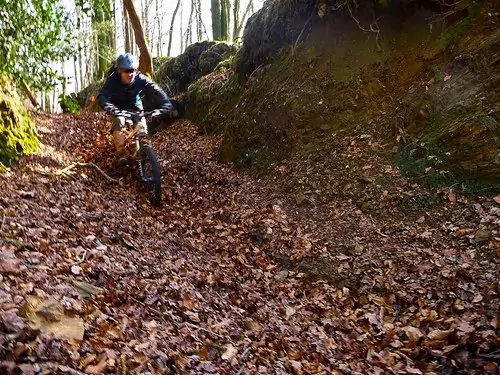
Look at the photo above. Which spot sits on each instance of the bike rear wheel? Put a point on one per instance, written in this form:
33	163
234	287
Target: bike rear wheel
150	173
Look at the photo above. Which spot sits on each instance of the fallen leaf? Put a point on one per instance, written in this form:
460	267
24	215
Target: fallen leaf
464	326
49	316
230	352
438	334
478	298
413	333
9	264
289	312
11	321
97	369
187	302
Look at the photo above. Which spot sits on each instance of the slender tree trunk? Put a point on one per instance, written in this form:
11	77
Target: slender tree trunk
189	30
236	19
115	23
47	101
180	31
76	75
145	61
244	18
172	27
198	20
224	19
158	18
216	19
126	30
80	66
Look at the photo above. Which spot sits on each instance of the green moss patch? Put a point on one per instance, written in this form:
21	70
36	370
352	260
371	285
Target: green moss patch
17	131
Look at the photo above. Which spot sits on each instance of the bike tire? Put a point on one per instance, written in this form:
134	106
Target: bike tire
152	177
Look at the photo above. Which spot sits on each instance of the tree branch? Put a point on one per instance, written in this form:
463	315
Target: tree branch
78	164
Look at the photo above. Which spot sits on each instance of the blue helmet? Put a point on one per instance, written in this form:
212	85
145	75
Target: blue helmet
126	61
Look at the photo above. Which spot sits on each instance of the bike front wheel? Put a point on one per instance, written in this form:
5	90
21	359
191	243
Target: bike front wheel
150	174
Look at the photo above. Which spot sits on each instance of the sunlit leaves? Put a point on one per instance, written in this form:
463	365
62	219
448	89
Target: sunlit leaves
34	34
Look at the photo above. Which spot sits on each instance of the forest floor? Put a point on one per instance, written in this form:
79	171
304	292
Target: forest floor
233	274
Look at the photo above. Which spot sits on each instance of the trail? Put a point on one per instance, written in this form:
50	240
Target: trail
230	275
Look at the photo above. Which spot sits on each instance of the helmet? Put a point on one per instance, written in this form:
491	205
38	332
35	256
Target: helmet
126	61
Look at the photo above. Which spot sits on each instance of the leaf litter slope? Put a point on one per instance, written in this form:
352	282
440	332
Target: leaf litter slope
229	276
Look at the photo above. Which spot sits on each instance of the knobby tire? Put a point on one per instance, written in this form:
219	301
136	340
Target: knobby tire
148	157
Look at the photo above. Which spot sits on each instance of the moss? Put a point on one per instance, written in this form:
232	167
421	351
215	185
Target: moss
17	131
451	35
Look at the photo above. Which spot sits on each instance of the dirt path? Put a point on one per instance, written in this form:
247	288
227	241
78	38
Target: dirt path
229	275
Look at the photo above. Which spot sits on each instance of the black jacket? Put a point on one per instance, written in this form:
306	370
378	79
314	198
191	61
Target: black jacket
117	94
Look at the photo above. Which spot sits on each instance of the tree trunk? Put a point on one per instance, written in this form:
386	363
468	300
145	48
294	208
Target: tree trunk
216	20
189	30
236	19
126	30
224	19
76	75
198	20
172	27
244	18
145	61
180	31
158	18
29	94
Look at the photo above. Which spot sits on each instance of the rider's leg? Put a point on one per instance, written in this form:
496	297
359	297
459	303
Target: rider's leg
117	133
119	141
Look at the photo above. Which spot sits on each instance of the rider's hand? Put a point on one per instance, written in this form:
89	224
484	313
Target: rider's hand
112	110
167	111
173	113
170	112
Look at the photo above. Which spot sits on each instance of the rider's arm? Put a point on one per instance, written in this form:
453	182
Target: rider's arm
151	88
104	95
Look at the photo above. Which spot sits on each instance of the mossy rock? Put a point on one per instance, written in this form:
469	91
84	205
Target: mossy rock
17	130
175	75
87	98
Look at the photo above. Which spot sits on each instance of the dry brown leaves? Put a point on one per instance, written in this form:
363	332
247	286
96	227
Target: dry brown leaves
217	280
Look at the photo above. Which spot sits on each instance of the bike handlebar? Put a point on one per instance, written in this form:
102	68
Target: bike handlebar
141	114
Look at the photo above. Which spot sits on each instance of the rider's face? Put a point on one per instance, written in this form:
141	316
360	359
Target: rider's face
127	76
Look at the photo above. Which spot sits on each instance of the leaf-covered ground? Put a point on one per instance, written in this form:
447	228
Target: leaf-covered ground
295	273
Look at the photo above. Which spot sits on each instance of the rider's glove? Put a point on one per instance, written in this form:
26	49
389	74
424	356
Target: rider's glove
112	110
170	111
174	113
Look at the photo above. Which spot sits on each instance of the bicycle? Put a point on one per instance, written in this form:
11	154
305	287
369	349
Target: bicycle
148	168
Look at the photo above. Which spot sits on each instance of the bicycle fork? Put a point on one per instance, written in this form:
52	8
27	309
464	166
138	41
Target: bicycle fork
139	158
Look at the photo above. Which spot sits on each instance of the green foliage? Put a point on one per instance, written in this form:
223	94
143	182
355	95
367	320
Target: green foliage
69	103
33	35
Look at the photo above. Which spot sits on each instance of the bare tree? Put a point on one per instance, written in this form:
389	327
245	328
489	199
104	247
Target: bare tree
216	20
220	19
239	25
180	31
126	30
172	27
189	30
145	61
236	19
224	19
199	21
158	42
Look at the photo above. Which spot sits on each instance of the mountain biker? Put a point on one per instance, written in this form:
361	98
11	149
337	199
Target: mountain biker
123	90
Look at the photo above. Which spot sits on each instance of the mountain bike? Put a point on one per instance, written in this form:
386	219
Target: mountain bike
139	149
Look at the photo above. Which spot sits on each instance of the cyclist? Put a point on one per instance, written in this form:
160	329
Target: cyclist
123	90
